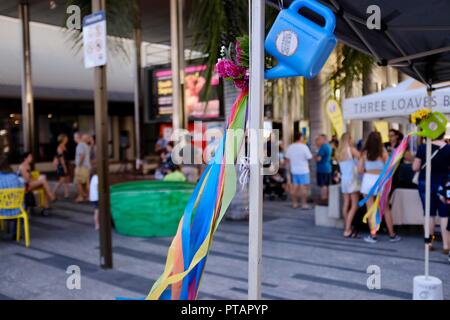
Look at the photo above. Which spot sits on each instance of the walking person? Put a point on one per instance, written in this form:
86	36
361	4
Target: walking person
62	165
348	157
374	157
440	161
297	161
323	167
93	153
82	168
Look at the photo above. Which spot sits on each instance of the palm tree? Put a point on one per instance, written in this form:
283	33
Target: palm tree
122	18
353	67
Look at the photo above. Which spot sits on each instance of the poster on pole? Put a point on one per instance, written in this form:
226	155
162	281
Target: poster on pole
383	128
334	113
94	40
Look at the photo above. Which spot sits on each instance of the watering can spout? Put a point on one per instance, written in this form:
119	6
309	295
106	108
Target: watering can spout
280	71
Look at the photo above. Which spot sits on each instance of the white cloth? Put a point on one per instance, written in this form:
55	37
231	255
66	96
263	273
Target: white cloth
350	181
406	207
298	155
368	181
93	189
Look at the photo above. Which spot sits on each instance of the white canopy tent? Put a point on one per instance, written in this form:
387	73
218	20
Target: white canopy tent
399	101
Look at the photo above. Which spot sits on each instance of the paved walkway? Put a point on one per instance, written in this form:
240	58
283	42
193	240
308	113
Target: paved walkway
300	261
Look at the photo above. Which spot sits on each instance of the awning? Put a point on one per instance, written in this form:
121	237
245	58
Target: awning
414	35
399	101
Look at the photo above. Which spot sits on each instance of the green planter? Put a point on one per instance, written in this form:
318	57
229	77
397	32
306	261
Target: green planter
149	208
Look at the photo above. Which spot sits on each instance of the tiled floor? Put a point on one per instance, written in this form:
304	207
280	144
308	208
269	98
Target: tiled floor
300	261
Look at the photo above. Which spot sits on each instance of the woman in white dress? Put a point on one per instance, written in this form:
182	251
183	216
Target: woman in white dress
348	157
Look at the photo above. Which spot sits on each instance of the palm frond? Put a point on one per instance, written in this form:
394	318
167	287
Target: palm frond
216	23
122	17
351	66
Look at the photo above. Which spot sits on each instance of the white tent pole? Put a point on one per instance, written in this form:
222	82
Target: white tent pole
427	207
256	123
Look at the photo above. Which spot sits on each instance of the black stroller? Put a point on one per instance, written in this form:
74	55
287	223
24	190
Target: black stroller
274	186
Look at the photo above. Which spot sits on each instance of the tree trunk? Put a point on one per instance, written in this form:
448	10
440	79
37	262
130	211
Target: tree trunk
367	88
314	101
287	107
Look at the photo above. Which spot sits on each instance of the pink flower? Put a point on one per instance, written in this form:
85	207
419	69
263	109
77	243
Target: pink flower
228	69
220	68
241	84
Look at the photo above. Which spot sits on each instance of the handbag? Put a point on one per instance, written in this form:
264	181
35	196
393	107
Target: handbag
415	179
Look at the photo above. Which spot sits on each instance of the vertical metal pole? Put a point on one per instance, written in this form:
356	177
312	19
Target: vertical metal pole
177	72
427	201
138	95
28	121
184	113
101	128
427	207
256	124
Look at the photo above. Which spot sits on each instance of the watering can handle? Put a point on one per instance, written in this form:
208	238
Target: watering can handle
442	117
327	14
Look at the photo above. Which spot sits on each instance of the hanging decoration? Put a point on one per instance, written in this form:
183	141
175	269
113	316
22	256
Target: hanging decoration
300	45
431	125
213	194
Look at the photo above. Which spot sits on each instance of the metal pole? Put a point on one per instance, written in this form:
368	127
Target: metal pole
256	123
101	128
28	124
137	95
427	207
184	113
177	52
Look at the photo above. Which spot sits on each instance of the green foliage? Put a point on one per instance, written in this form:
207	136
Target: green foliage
217	23
245	51
351	66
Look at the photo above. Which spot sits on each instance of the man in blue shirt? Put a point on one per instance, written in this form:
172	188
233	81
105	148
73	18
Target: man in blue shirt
324	168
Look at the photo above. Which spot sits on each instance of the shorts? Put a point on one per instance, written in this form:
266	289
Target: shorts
82	175
60	171
323	179
368	181
95	204
301	179
437	207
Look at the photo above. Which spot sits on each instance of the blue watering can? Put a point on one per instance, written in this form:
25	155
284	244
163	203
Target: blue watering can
301	46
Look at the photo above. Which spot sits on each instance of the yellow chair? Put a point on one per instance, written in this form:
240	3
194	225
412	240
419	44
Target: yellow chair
40	193
11	199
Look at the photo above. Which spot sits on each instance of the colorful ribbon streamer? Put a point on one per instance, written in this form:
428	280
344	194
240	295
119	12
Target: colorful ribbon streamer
212	196
382	187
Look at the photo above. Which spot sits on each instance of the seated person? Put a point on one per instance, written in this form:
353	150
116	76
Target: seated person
175	175
30	185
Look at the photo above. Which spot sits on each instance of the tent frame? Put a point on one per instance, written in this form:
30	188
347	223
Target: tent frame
351	21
